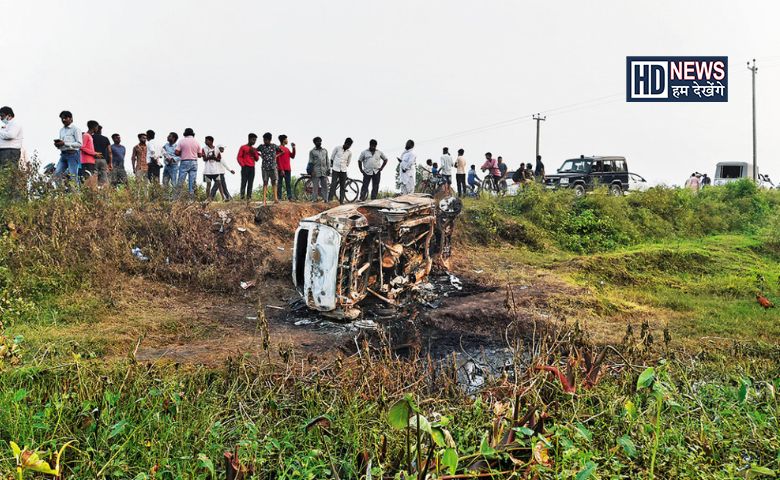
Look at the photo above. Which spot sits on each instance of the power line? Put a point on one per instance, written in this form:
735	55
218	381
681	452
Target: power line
563	109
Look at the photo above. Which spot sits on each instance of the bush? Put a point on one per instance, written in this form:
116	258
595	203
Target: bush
601	222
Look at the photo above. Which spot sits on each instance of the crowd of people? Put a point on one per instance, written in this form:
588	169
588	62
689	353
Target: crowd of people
91	158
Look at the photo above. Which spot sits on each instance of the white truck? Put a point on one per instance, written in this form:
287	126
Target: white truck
726	172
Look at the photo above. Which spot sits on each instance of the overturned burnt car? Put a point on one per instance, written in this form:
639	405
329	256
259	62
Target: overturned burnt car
380	247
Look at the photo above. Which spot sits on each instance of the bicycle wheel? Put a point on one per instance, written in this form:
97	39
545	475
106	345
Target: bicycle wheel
353	190
302	188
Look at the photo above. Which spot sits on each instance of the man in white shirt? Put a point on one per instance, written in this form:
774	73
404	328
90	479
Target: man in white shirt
408	168
371	163
460	173
10	150
445	169
340	163
153	156
11	136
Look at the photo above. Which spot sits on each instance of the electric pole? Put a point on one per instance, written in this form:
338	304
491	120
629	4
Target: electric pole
538	119
753	69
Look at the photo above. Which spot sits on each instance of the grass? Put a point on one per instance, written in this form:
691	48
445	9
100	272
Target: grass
661	261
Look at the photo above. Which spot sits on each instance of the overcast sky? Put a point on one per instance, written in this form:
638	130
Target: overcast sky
433	71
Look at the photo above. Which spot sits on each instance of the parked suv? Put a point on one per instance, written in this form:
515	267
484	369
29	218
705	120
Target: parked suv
585	173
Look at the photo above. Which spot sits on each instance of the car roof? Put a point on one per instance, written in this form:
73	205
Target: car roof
597	158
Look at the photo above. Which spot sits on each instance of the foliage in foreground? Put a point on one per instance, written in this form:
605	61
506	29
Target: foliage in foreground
707	416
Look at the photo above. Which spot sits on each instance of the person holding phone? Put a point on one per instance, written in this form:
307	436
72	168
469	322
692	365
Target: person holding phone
69	144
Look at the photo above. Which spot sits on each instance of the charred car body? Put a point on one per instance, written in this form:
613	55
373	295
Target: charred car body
380	247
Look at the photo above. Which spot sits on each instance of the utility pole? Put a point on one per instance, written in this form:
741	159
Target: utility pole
538	119
753	70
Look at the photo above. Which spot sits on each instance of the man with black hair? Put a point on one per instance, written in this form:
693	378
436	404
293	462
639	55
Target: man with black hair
153	154
88	153
189	151
283	165
319	169
408	168
170	160
339	164
268	152
103	157
212	170
247	158
446	169
539	169
117	167
371	162
460	175
69	144
138	157
11	137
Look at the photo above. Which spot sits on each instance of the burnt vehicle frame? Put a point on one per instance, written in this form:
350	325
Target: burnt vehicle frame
381	247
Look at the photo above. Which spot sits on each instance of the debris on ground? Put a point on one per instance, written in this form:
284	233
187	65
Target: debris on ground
136	251
249	284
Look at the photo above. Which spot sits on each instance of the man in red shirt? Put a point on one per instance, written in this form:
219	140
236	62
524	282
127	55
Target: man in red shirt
88	153
247	158
283	165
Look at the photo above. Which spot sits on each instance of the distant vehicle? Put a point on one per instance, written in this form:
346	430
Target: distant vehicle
586	173
727	172
637	183
381	247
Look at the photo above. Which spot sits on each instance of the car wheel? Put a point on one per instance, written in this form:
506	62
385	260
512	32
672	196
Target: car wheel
616	190
579	190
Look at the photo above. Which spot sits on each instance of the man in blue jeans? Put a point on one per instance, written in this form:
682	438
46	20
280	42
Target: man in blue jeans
189	151
69	145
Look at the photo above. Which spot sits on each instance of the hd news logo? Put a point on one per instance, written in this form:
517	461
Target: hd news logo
677	79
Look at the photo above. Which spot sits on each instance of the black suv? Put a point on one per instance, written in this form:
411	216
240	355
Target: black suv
586	173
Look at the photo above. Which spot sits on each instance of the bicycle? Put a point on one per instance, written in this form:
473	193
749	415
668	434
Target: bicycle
431	185
303	185
493	187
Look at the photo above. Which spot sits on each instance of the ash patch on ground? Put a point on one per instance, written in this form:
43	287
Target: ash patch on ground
450	320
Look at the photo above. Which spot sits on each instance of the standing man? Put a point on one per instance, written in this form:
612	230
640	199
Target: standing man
11	137
138	158
69	145
189	151
212	169
153	155
88	153
247	158
460	175
319	169
118	172
446	169
371	162
408	168
340	160
283	165
10	150
539	169
502	168
170	160
103	159
268	166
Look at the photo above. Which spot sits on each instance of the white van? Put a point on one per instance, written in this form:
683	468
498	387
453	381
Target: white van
726	172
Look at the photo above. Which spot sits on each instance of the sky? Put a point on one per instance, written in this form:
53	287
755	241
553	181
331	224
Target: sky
456	73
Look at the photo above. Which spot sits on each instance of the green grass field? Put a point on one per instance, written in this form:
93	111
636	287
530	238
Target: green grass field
701	405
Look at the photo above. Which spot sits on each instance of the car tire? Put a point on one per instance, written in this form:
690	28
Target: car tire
579	190
616	190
